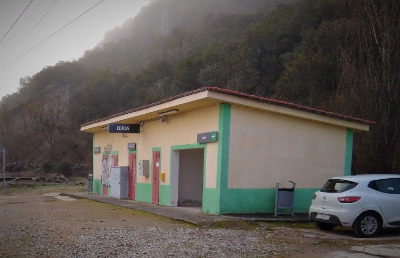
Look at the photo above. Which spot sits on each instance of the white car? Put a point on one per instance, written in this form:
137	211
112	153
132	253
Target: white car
366	203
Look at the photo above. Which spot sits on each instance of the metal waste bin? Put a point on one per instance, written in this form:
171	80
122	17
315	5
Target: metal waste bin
90	183
284	198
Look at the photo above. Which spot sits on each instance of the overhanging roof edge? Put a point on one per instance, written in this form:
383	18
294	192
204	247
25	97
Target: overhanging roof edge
364	124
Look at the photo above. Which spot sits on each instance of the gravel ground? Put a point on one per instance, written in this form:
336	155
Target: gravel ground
35	224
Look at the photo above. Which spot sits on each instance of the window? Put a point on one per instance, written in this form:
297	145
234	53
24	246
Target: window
337	186
390	185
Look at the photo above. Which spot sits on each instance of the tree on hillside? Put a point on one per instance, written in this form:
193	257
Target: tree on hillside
44	125
7	134
370	80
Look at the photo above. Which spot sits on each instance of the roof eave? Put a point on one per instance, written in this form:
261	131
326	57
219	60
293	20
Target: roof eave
225	95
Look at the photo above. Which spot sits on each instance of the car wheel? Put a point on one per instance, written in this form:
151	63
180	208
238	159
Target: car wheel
324	226
367	224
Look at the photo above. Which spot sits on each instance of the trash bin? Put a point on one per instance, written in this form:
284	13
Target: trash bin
284	197
90	183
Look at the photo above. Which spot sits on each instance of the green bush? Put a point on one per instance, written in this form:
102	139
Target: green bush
65	168
47	166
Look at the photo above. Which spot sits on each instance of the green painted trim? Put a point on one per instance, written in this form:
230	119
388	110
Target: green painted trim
93	166
143	192
224	131
189	146
156	149
97	186
248	201
115	153
242	201
303	198
348	152
112	153
210	200
164	197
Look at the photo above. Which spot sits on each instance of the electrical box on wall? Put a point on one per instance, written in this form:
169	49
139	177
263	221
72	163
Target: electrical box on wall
119	179
143	168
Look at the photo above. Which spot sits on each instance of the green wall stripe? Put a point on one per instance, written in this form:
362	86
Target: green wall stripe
165	195
93	167
224	127
188	146
97	186
247	201
348	152
143	192
210	200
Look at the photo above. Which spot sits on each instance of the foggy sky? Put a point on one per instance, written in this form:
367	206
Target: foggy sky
67	45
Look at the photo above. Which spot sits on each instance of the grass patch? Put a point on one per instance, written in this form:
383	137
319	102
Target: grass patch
46	187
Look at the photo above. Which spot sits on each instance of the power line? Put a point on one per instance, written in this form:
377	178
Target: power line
44	40
46	11
16	20
34	27
28	19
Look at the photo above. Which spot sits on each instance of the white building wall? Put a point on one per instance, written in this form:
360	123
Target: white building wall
266	148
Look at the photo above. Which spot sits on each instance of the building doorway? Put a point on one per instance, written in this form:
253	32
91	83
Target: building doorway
187	177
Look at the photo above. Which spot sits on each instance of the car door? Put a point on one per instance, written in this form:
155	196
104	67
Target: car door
387	196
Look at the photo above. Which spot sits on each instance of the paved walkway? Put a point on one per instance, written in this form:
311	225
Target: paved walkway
191	215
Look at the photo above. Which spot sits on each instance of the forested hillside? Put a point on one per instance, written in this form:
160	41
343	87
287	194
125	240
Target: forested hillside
337	55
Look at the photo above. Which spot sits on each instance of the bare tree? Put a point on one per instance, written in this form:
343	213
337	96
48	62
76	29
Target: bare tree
370	79
43	122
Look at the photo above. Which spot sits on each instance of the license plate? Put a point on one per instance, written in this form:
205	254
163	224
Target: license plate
322	216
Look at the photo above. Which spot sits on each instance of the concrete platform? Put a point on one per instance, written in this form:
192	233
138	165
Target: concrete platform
188	214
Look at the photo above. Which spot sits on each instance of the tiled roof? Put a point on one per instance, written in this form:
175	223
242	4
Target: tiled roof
237	94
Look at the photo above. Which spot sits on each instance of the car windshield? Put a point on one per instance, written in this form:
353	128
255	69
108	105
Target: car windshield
337	186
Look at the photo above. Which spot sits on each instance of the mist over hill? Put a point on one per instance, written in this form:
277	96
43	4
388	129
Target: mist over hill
184	14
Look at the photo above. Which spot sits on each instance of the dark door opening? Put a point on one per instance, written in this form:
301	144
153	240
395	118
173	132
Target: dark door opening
191	169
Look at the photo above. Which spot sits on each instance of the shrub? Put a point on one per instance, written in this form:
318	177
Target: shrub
47	166
65	168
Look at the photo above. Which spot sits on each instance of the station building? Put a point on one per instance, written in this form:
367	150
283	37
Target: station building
222	150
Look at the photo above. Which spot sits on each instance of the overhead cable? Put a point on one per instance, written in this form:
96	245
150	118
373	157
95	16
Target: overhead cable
34	27
41	42
16	21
